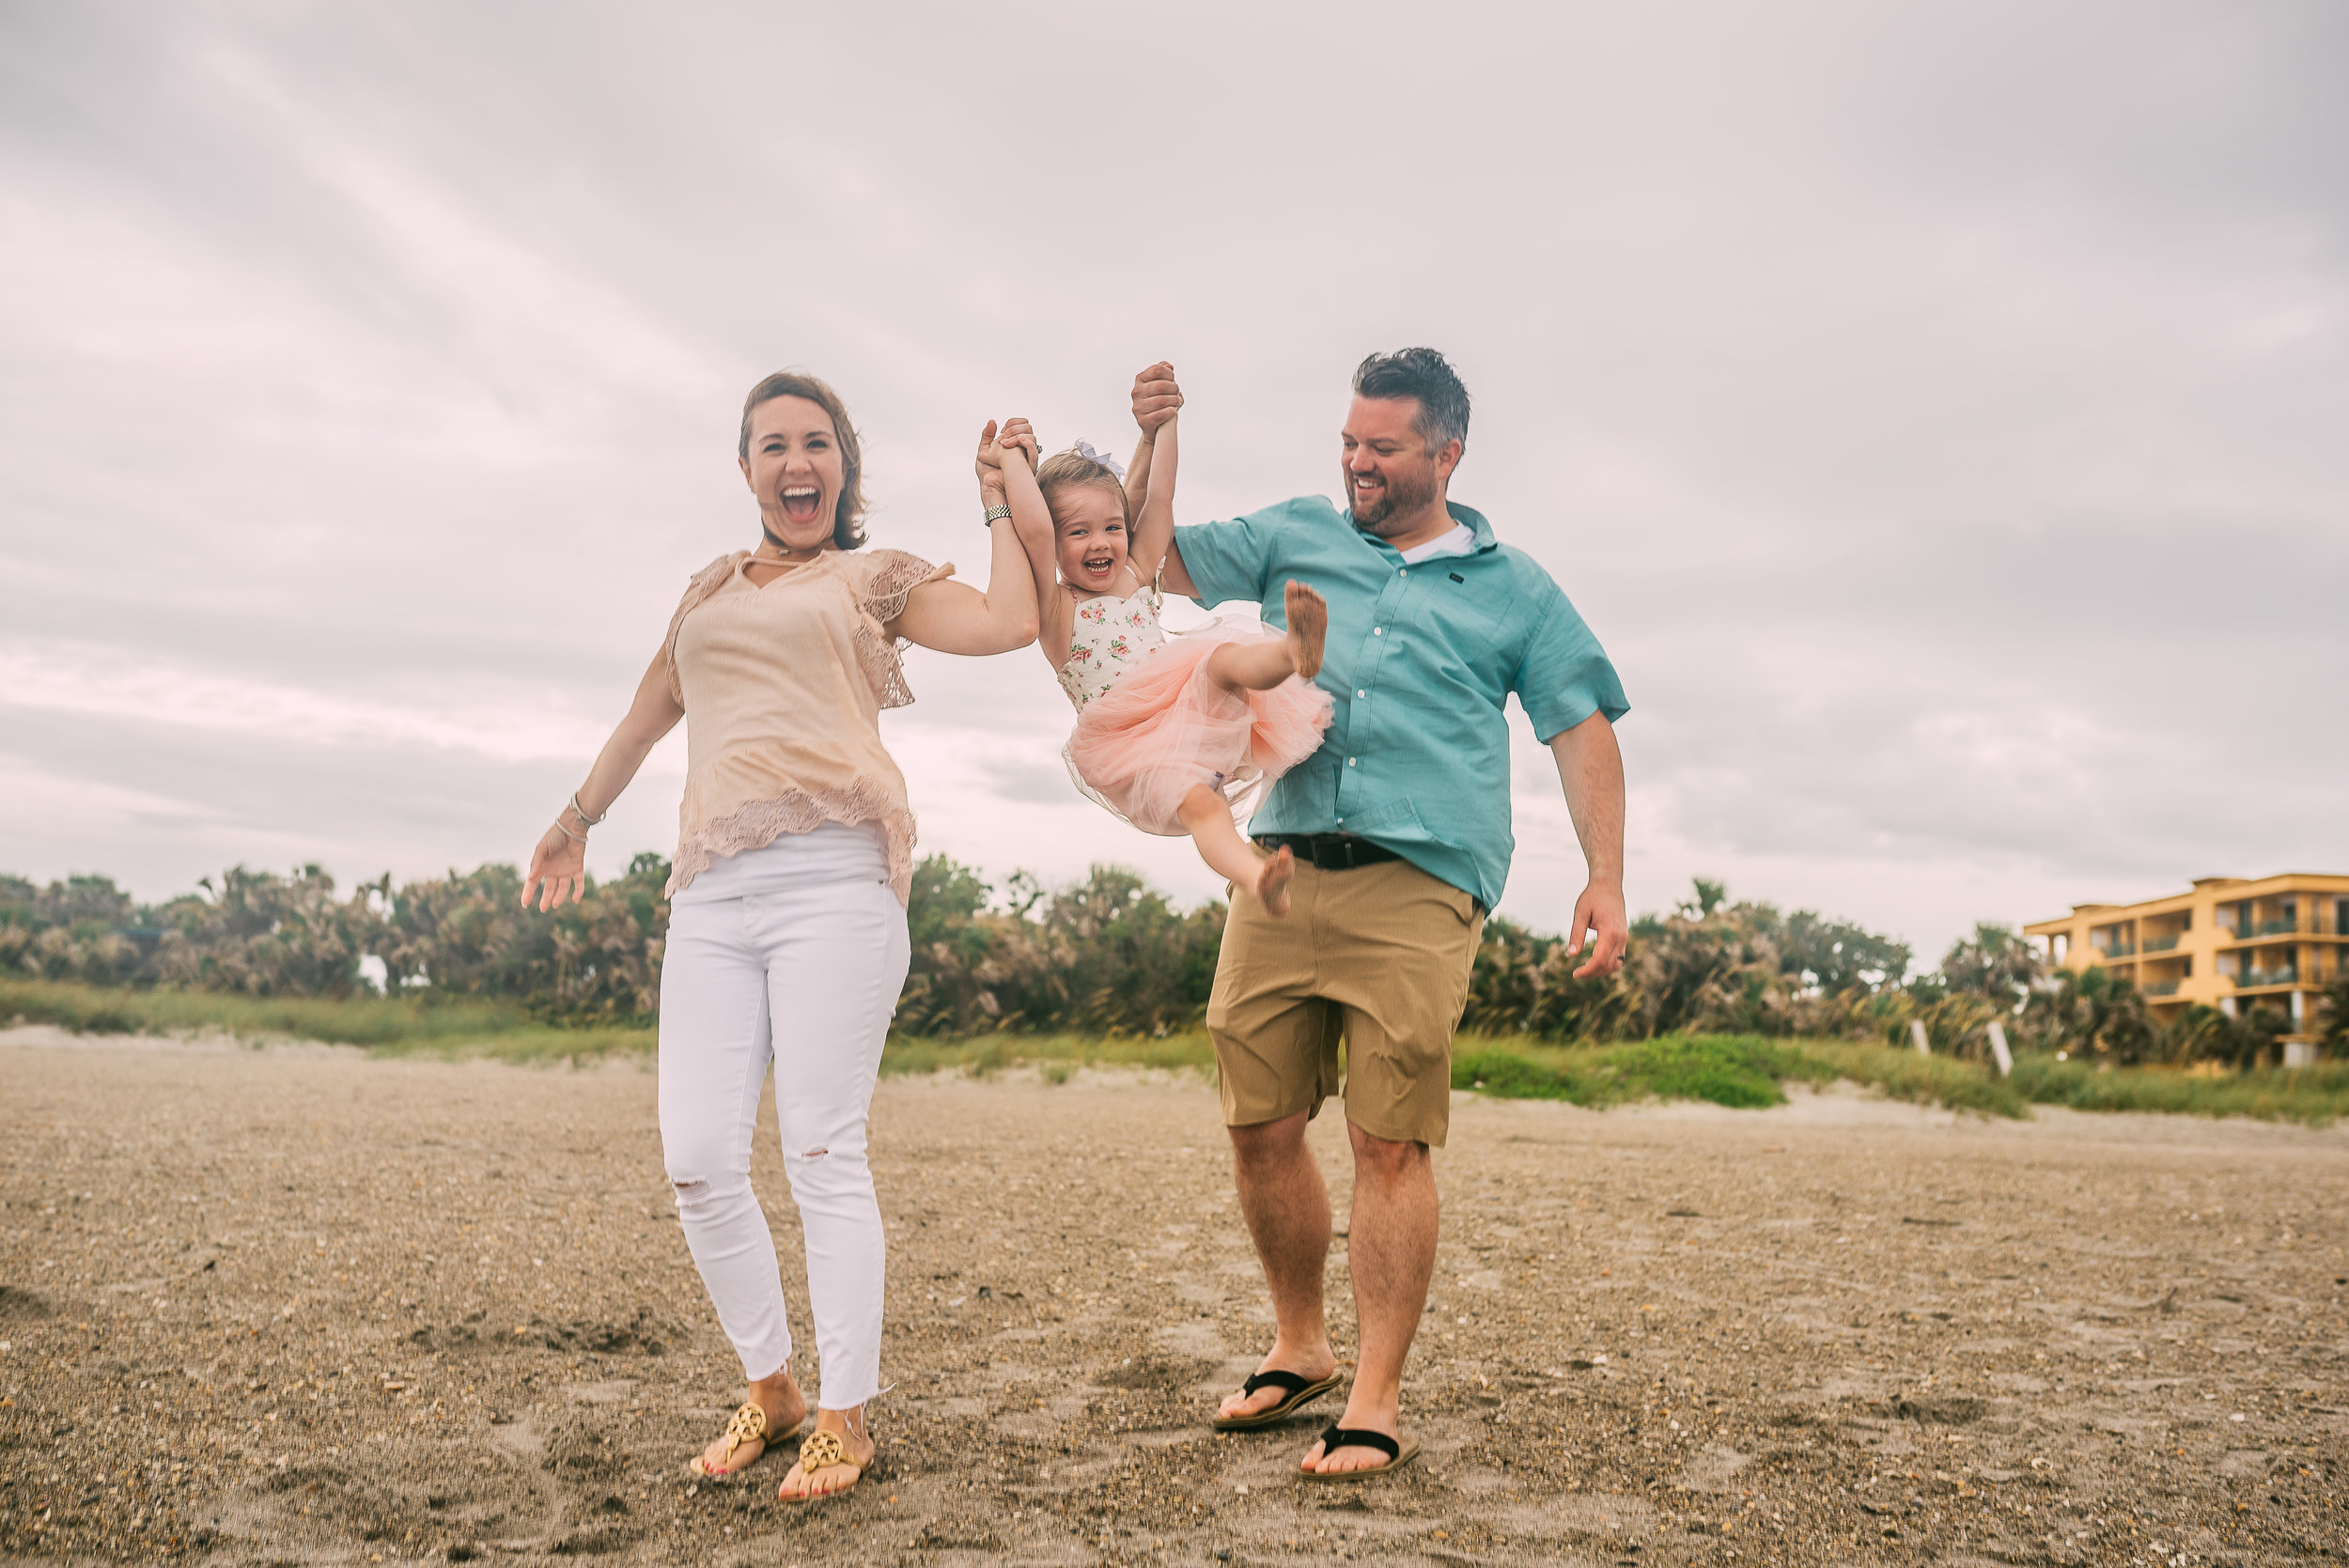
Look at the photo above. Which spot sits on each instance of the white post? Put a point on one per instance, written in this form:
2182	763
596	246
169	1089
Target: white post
1998	1048
1917	1034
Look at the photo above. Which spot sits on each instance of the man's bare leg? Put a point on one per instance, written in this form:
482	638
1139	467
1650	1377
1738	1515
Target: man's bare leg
1287	1208
1208	817
1392	1247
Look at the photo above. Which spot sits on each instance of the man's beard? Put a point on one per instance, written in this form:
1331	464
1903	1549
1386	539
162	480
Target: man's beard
1405	496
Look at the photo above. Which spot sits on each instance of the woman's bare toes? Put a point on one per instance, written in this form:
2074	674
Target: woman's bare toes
726	1457
1309	626
1272	881
800	1484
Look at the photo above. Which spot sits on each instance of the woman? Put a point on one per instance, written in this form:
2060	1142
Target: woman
788	930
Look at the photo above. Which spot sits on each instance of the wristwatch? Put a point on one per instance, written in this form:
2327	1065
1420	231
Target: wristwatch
996	512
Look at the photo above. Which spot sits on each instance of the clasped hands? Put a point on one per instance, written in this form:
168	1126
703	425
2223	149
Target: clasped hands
1012	435
1156	398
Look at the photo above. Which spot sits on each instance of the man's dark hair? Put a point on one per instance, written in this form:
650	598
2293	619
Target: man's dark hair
1423	375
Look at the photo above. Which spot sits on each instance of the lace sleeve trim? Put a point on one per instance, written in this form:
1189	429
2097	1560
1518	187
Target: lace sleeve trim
704	582
895	576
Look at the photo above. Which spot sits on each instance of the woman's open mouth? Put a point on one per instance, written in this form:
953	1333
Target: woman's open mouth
800	503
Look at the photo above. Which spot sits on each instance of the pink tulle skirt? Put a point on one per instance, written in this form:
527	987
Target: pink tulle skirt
1141	746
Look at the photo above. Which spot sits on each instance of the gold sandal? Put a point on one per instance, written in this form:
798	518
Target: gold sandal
821	1451
749	1426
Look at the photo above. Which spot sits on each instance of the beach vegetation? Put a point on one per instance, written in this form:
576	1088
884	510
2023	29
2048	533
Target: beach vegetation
1720	999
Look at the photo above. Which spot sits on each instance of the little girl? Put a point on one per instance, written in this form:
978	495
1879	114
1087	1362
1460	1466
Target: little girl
1176	735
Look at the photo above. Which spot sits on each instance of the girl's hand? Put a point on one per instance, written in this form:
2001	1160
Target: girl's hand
558	870
1019	436
1156	396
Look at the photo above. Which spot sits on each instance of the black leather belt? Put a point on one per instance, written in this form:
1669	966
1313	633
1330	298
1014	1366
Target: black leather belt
1328	851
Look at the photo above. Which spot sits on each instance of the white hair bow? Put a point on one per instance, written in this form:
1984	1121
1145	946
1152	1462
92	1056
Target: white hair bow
1084	449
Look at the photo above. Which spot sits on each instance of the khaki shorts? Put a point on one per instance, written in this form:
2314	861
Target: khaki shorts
1377	956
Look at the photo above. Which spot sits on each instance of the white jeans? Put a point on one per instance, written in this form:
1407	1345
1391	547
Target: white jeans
795	954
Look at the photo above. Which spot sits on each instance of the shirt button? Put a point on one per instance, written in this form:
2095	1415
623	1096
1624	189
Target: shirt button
1349	762
1361	694
1378	631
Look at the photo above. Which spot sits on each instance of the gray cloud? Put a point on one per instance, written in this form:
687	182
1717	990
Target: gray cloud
1935	409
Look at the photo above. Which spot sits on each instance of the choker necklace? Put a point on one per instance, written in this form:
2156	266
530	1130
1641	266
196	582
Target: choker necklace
786	551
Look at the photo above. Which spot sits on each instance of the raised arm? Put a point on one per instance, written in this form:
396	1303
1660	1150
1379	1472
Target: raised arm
558	866
1150	480
953	618
1031	520
1154	525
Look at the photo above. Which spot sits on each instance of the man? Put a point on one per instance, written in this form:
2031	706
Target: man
1400	826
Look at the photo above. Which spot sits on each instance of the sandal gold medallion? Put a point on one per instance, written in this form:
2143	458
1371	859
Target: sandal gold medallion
749	1426
822	1450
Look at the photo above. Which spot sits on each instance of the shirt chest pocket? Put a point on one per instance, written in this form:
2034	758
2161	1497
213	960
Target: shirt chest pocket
1459	626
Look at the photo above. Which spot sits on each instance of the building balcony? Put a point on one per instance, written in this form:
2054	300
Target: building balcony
2118	950
2164	944
2253	979
2162	989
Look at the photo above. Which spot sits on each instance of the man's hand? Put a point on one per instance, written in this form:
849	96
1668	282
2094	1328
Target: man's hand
1599	913
1156	396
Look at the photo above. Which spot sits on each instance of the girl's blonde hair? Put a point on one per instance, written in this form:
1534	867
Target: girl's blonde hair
1073	467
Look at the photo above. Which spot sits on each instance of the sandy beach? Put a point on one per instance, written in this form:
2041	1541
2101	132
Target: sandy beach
299	1306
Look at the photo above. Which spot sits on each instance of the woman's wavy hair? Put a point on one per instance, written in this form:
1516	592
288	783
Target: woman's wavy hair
846	533
1073	467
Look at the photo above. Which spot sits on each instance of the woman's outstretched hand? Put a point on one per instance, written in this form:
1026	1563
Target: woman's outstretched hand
558	870
1156	396
989	464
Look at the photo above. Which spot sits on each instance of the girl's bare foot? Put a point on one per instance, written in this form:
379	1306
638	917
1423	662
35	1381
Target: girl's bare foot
779	1400
1272	881
1309	624
847	1427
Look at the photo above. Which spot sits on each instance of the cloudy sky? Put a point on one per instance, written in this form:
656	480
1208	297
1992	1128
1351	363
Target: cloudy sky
1937	411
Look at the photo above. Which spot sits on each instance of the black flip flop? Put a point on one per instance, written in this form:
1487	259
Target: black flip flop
1334	1438
1295	1392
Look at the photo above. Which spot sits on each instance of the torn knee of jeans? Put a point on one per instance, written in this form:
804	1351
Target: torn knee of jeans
815	1153
686	1189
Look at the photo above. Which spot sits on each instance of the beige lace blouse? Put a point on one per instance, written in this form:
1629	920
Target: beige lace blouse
782	688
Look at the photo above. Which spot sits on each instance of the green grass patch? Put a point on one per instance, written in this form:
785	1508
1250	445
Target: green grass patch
1903	1075
1740	1070
2317	1096
386	1025
1055	1056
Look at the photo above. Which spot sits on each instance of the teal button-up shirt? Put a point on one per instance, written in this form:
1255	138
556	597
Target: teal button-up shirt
1421	661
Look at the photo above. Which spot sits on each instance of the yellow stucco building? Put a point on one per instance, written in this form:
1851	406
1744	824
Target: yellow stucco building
2228	944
